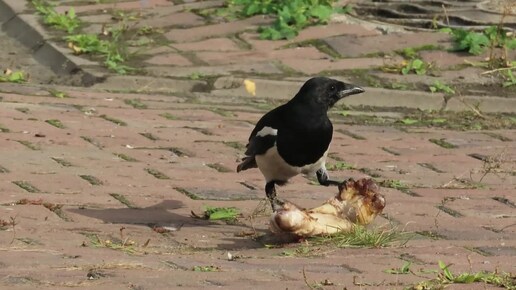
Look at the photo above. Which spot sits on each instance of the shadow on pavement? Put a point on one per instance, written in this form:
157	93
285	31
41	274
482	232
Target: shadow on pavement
159	214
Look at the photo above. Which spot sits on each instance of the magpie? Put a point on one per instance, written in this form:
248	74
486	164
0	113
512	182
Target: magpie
294	138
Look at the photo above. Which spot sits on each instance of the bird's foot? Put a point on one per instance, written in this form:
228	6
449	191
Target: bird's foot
324	179
276	204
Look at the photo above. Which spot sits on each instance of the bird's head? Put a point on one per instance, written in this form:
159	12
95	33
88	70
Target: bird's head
322	92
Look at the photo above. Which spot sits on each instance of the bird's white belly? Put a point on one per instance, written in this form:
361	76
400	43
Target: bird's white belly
273	167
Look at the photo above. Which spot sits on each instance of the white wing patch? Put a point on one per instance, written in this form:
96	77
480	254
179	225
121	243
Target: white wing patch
267	131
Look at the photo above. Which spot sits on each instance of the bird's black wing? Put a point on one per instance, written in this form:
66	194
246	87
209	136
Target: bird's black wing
262	138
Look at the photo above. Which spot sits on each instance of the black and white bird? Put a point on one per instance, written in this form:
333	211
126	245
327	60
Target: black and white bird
294	138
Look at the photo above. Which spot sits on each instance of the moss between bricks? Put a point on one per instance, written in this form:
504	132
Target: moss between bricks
92	142
431	167
4	129
498	136
113	120
156	173
200	130
27	186
22	110
505	201
28	144
62	161
219	167
390	151
168	116
351	134
443	143
57	209
125	157
189	194
431	235
135	103
222	112
450	211
149	136
56	123
235	144
122	199
91	179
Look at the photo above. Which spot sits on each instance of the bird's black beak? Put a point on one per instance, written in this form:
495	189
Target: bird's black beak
350	90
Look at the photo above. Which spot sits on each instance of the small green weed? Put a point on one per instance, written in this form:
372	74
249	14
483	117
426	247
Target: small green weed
13	77
136	103
437	86
416	66
362	237
196	76
492	38
405	269
413	52
477	42
510	79
446	277
206	269
220	213
67	21
56	123
392	183
302	251
168	116
125	244
113	51
470	41
291	15
408	121
58	94
340	165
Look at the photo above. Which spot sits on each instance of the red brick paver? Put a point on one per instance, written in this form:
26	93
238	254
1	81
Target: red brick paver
114	172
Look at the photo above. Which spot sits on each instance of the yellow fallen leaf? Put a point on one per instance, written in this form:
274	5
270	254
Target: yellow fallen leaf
250	87
76	49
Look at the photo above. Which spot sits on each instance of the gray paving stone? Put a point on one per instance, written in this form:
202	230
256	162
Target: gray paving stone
353	46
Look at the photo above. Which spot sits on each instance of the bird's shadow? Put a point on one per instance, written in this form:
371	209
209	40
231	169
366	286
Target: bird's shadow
161	215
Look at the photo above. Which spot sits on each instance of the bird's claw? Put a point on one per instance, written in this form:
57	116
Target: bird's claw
276	204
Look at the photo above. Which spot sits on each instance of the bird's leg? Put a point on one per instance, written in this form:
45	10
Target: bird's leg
270	191
324	179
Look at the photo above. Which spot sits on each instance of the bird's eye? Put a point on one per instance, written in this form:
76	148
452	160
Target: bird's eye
332	88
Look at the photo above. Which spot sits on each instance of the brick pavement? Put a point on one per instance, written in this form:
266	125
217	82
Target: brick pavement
113	166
